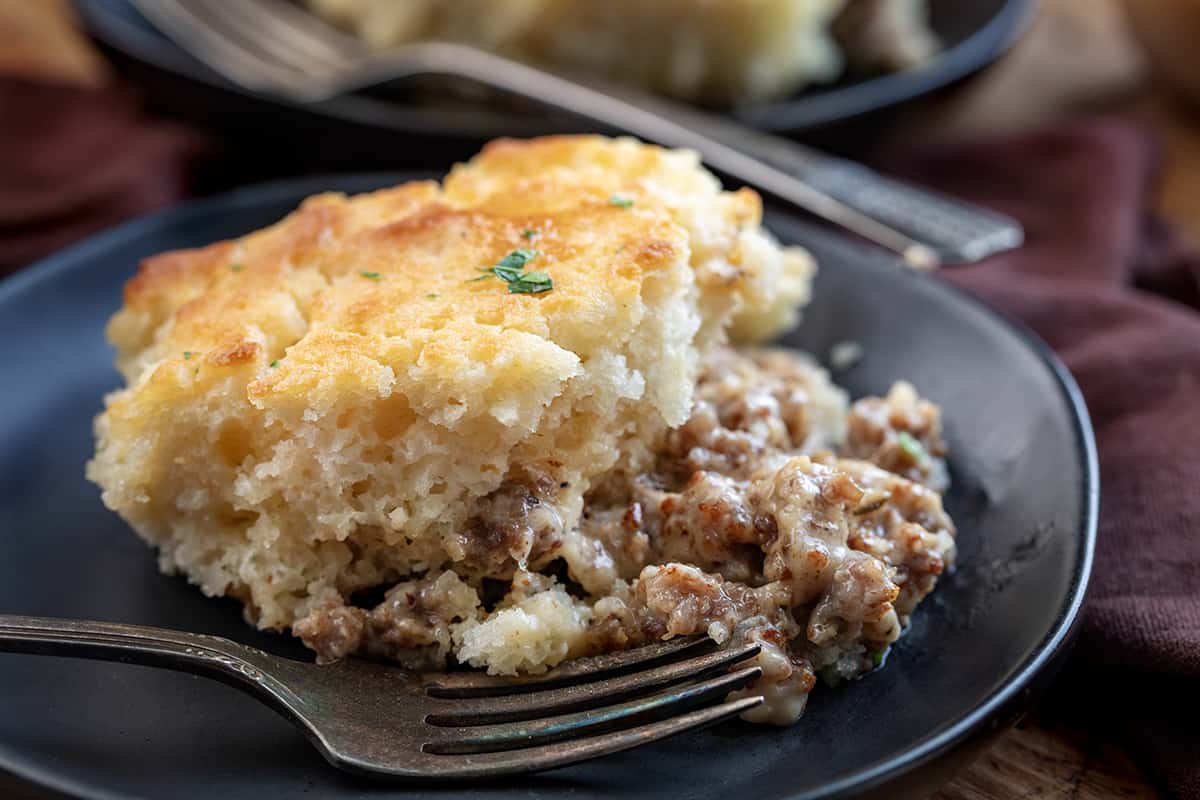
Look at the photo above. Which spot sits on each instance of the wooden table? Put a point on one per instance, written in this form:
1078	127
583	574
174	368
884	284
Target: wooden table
1077	56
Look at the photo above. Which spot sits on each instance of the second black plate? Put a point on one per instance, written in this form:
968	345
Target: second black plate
973	35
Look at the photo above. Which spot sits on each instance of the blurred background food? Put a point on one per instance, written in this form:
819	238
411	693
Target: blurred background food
696	50
869	50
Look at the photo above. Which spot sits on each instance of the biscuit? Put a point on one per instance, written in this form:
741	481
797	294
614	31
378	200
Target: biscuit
335	402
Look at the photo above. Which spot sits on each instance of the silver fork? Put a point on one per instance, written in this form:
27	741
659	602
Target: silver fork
275	47
380	720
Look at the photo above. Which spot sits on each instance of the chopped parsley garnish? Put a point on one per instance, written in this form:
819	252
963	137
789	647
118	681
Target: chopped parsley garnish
620	201
432	296
877	657
531	283
275	363
529	234
237	267
371	276
510	269
187	354
911	447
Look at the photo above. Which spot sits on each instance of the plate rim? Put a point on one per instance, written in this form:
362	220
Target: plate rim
827	107
1052	645
979	49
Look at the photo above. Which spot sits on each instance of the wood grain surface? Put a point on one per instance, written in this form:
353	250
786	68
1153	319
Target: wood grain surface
1077	56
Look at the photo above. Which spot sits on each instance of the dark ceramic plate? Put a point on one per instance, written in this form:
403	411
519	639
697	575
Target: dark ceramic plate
973	33
1024	497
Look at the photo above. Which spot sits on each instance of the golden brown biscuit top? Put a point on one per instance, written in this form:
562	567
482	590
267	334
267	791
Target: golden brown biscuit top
392	279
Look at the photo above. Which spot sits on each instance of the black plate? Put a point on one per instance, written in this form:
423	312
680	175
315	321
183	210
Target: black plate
974	33
1024	496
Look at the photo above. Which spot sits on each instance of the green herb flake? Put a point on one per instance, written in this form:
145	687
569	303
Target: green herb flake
187	354
531	283
432	296
911	447
877	657
275	363
510	270
371	276
529	234
517	259
237	267
620	201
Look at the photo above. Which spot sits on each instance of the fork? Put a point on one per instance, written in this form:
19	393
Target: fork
380	720
275	47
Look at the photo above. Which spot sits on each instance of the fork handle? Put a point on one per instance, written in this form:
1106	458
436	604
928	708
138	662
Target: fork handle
954	230
232	663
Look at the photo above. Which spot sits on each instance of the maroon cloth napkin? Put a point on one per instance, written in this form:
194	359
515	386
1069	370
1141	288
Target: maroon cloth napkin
1118	298
74	161
1104	283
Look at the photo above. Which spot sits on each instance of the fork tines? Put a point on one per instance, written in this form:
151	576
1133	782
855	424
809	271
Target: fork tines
584	710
